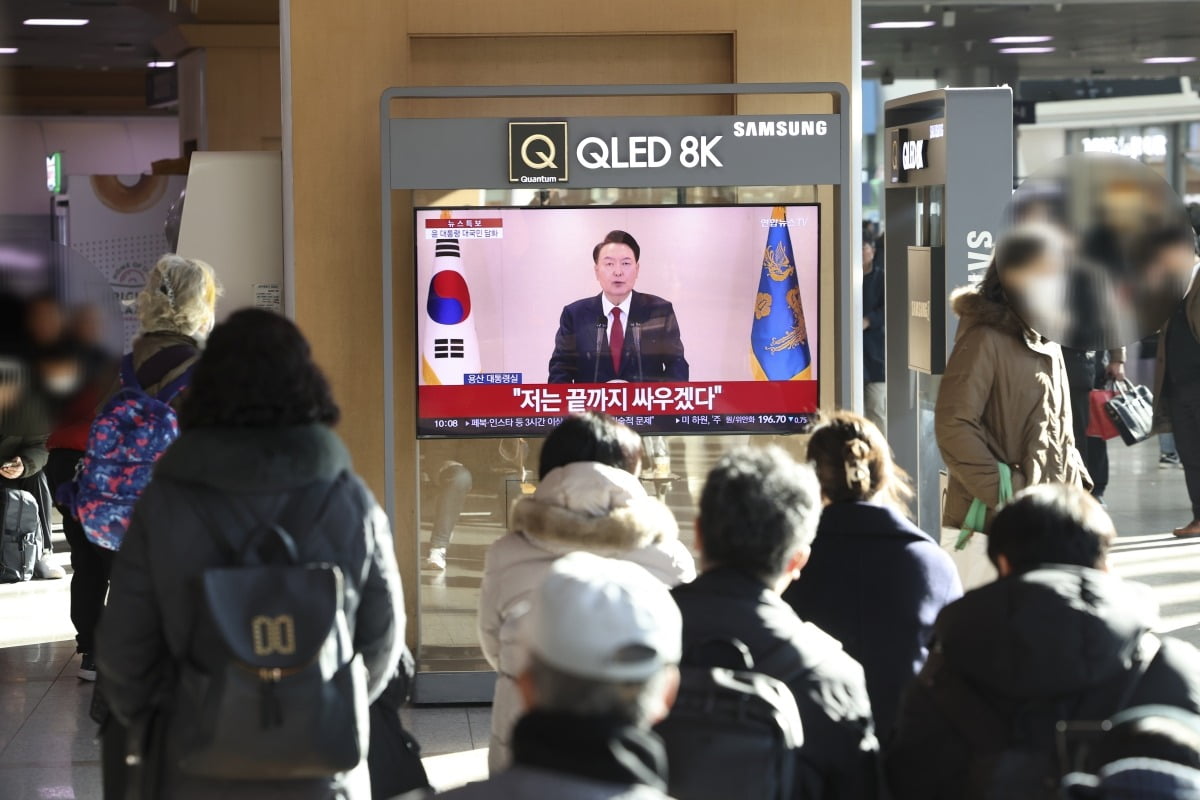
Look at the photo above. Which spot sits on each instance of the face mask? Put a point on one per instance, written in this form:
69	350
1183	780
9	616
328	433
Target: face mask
1043	302
61	385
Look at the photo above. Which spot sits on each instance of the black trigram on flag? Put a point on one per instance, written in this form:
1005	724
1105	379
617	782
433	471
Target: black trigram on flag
448	348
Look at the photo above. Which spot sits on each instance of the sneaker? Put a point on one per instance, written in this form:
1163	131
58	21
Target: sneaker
1100	499
87	668
46	570
436	558
1169	460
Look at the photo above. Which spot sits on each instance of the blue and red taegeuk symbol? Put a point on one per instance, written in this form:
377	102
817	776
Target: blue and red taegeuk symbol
449	298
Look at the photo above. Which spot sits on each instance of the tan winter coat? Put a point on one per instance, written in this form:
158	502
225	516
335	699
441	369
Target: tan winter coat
1003	398
582	506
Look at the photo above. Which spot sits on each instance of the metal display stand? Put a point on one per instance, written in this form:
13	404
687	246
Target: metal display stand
455	153
949	178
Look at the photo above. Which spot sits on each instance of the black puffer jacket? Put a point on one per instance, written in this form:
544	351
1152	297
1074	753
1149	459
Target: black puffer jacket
838	758
214	475
1057	638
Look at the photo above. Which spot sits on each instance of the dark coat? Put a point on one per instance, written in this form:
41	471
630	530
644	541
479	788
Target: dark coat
876	583
574	358
1162	421
214	474
874	341
838	759
1049	638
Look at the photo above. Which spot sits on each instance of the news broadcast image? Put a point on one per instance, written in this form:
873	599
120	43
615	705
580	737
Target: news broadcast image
691	319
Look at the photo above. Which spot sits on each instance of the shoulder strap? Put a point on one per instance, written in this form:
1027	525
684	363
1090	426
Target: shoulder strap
1147	651
310	505
175	387
128	373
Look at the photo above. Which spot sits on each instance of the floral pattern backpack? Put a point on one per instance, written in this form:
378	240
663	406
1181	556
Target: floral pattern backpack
130	434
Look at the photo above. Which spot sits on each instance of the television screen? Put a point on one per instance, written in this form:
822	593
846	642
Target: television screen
676	319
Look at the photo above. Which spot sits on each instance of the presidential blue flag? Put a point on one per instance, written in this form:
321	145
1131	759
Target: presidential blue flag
779	338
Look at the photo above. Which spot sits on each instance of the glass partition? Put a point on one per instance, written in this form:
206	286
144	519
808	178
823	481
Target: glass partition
467	486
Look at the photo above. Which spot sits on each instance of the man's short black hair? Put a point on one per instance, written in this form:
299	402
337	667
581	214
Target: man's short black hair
591	436
617	237
1051	524
758	506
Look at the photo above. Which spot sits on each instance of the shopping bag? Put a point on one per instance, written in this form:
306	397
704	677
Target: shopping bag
1100	425
971	562
1132	412
969	550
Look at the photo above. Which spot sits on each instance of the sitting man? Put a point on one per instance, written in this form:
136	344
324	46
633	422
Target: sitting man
604	641
758	516
1055	639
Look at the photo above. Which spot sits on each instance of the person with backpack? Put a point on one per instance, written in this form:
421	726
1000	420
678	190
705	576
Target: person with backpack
255	609
1055	641
102	476
25	547
588	498
758	514
875	582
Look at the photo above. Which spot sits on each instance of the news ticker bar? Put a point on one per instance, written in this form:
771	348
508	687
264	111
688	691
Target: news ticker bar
530	409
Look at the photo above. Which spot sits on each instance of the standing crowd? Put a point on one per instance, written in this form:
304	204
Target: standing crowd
236	594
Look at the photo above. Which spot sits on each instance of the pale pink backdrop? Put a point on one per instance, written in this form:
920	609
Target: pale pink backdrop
706	260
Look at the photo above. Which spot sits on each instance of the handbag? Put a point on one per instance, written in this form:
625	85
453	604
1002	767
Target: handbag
1132	412
977	514
1100	424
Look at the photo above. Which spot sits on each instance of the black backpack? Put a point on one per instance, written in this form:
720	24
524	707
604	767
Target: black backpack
733	732
1025	750
20	535
273	689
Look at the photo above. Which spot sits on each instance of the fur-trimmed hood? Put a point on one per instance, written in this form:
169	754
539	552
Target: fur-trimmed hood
593	507
975	309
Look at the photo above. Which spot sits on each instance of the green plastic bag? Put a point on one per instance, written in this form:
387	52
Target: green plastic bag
977	513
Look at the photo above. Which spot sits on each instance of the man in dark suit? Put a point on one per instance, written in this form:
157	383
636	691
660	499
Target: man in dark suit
620	334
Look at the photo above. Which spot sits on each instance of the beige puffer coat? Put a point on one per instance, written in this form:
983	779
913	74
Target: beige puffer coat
582	506
1003	398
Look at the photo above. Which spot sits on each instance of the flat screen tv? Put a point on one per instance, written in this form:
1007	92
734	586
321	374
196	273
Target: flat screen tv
675	319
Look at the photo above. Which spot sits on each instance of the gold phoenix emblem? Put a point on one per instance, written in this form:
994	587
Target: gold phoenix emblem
777	263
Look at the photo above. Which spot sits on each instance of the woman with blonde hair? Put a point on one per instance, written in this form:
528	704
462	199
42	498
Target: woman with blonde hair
875	581
176	310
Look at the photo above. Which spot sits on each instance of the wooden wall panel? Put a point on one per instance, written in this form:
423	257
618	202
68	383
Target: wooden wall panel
241	88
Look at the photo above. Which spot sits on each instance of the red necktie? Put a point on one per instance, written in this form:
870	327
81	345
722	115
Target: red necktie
616	340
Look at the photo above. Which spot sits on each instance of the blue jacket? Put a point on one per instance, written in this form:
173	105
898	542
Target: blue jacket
876	583
651	325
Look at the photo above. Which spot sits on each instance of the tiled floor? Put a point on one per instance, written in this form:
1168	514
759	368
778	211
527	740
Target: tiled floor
47	750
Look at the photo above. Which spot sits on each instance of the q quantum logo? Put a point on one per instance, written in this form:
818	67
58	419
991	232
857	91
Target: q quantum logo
537	152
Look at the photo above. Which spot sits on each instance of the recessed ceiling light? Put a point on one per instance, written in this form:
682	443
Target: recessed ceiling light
160	64
902	24
868	62
1020	39
56	22
8	51
1169	60
1016	51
